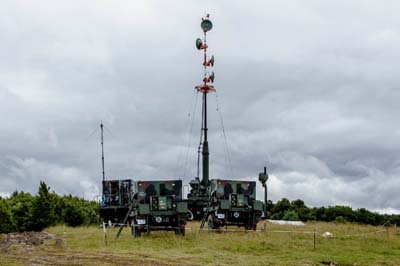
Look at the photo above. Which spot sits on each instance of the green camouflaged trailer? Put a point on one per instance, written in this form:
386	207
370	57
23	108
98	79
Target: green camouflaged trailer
144	205
233	202
160	206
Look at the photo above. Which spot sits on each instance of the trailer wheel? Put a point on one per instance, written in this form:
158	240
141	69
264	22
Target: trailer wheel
183	229
251	226
180	231
136	231
211	222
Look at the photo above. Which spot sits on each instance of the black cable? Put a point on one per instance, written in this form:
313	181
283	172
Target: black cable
201	139
189	136
91	134
223	131
109	131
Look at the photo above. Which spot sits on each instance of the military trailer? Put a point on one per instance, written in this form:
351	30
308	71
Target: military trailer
115	200
233	202
144	205
159	206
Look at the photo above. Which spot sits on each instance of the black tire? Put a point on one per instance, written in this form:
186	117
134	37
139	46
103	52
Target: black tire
136	232
211	222
133	230
180	231
250	226
254	227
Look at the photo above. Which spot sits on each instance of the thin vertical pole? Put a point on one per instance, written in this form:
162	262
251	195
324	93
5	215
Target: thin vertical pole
387	231
102	150
314	239
205	151
105	233
205	88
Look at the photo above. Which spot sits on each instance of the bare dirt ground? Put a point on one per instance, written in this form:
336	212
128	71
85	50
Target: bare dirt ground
43	248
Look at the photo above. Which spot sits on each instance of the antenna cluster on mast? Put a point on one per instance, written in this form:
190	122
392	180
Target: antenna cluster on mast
201	44
205	88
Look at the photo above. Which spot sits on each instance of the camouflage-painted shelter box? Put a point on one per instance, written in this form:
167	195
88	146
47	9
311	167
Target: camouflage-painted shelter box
160	206
145	205
233	202
116	198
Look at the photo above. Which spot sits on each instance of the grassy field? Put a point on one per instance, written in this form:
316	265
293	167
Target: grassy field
350	245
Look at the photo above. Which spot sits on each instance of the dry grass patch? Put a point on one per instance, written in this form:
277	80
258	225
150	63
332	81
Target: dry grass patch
350	245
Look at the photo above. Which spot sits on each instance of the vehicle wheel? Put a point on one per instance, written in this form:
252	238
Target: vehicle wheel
133	230
255	227
211	222
183	229
180	231
136	231
251	226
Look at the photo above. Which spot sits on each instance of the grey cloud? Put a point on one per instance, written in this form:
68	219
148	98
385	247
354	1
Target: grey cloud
309	88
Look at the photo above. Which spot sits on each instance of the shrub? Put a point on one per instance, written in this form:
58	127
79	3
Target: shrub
291	216
6	221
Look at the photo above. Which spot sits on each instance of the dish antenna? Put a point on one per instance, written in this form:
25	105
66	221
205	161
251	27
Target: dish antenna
206	24
199	44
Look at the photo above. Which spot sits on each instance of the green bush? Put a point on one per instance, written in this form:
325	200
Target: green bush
6	221
42	209
74	215
291	216
21	210
25	212
340	219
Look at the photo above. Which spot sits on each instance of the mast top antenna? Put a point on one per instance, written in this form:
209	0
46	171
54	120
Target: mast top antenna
206	23
205	88
201	44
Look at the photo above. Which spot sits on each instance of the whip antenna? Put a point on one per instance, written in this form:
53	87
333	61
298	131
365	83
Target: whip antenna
102	149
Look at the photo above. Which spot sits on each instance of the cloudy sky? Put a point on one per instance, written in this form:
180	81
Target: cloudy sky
310	88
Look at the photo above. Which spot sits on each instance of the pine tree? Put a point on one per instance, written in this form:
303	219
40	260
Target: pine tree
43	209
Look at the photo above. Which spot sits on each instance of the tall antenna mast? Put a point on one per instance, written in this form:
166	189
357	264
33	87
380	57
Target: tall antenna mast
102	150
205	88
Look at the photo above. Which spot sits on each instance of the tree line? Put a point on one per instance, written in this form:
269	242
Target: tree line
25	212
297	211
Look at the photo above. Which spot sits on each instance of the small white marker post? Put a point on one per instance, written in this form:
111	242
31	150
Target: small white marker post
105	232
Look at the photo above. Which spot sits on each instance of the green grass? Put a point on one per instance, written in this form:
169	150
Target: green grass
351	245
